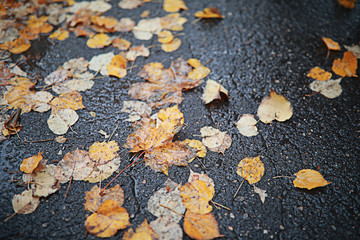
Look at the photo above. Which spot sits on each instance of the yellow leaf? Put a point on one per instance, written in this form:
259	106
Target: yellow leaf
174	5
71	100
29	164
94	199
346	66
308	178
102	172
319	74
108	220
121	43
209	12
196	144
252	169
173	22
199	71
331	44
20	94
201	226
117	67
99	40
165	36
103	152
196	196
143	232
16	46
60	34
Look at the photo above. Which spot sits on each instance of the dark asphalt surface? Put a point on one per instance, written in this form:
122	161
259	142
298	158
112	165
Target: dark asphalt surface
258	46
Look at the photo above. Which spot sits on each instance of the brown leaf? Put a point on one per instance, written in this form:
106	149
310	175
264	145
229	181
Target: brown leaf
94	199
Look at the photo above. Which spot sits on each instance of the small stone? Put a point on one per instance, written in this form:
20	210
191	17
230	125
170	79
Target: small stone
265	231
44	225
245	216
282	227
144	181
230	228
232	215
132	215
301	208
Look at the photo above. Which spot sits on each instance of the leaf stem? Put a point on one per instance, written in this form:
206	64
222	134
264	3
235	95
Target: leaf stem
239	188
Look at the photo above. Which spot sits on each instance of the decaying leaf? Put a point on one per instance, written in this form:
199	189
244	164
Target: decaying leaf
117	67
25	202
274	107
108	219
196	196
121	43
355	49
173	22
319	74
166	228
102	172
99	40
213	91
170	198
346	66
94	199
308	178
251	168
174	5
60	121
209	12
330	88
215	140
145	28
347	3
136	110
201	226
246	125
29	164
75	164
143	232
44	183
137	51
99	63
331	44
262	193
70	100
103	152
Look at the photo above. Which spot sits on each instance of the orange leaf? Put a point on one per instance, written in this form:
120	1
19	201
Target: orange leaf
308	178
201	226
143	232
99	40
108	219
107	22
331	44
252	169
209	12
94	199
103	152
20	94
196	196
71	100
16	46
25	33
346	66
174	5
117	67
319	74
29	164
347	3
121	44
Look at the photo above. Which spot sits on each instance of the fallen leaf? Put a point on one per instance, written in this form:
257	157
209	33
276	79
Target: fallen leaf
39	25
330	89
42	101
145	28
196	144
129	4
44	183
355	49
16	46
137	51
102	172
346	66
56	77
171	46
215	140
196	196
60	121
251	168
125	25
246	125
209	12
60	139
200	72
71	100
347	3
213	91
166	228
75	164
60	34
103	152
121	44
308	178
117	67
29	164
165	36
319	74
20	94
170	199
108	219
143	232
145	14
99	63
262	193
194	176
99	40
173	22
201	226
174	5
136	110
331	44
94	199
274	107
104	24
25	202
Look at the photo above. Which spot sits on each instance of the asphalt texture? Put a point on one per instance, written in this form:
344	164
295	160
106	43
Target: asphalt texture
258	46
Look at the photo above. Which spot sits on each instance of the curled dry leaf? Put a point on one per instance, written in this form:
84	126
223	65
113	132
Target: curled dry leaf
103	152
75	164
209	12
108	219
345	67
201	226
196	196
319	74
330	89
170	198
99	63
215	140
136	110
25	202
246	125
308	178
331	44
262	193
166	228
251	168
102	172
94	199
60	139
117	67
60	121
274	107
174	5
143	232
28	165
213	91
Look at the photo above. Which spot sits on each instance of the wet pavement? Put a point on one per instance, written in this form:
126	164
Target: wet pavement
259	45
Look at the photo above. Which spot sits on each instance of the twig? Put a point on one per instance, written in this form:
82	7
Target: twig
113	133
283	177
6	219
215	203
196	20
139	162
172	210
35	141
309	95
201	163
154	45
209	61
68	188
239	188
